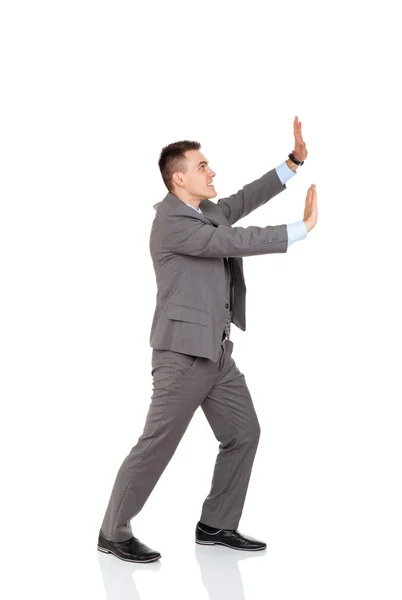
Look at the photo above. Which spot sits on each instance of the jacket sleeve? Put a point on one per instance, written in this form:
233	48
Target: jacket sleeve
187	235
251	196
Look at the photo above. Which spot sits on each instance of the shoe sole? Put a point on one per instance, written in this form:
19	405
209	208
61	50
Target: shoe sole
227	546
105	551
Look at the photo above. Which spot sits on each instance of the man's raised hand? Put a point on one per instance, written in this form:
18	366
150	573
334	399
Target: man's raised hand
300	150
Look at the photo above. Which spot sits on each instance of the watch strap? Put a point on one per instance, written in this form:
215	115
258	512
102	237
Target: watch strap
293	159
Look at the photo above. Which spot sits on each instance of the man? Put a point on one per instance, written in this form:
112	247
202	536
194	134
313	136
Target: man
197	257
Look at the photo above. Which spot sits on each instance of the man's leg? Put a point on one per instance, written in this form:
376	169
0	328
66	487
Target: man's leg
232	417
179	387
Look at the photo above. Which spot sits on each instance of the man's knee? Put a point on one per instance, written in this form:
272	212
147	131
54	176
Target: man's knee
246	435
255	431
250	434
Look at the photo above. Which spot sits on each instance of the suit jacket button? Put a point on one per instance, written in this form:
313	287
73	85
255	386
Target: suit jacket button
226	305
280	239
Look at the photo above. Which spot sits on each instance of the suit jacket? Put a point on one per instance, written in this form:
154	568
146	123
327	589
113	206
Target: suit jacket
188	251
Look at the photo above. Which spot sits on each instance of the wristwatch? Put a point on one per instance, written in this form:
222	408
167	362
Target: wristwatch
293	159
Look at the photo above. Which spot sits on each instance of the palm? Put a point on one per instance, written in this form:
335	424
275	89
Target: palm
300	150
310	208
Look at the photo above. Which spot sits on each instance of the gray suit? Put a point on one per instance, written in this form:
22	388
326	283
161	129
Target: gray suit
192	365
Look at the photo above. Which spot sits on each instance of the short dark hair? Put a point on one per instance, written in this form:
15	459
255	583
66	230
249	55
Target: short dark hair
172	159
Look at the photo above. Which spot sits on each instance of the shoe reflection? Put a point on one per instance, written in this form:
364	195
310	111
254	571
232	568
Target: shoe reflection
118	577
220	572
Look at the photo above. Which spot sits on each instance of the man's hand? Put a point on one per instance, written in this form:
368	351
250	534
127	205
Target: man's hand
300	151
310	209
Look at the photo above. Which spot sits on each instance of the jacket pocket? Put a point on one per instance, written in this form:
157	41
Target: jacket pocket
184	313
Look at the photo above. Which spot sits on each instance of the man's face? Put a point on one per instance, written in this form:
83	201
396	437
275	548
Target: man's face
197	177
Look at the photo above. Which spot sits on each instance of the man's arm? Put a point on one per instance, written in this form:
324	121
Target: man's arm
256	194
192	237
296	231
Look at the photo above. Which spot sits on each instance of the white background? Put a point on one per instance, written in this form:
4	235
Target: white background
91	92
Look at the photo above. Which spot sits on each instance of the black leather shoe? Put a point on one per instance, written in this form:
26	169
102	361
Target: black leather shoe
209	536
131	550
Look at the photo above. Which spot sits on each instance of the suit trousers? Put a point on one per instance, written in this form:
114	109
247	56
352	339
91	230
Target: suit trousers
181	384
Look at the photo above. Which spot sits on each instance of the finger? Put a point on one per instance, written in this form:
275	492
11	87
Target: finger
300	135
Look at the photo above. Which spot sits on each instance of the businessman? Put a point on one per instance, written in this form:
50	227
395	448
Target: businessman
197	257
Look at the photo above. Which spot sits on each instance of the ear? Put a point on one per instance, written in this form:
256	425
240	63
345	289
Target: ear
177	179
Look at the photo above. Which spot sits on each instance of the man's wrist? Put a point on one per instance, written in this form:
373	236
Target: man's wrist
291	164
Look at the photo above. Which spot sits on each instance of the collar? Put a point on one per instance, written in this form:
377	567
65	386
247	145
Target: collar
210	211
